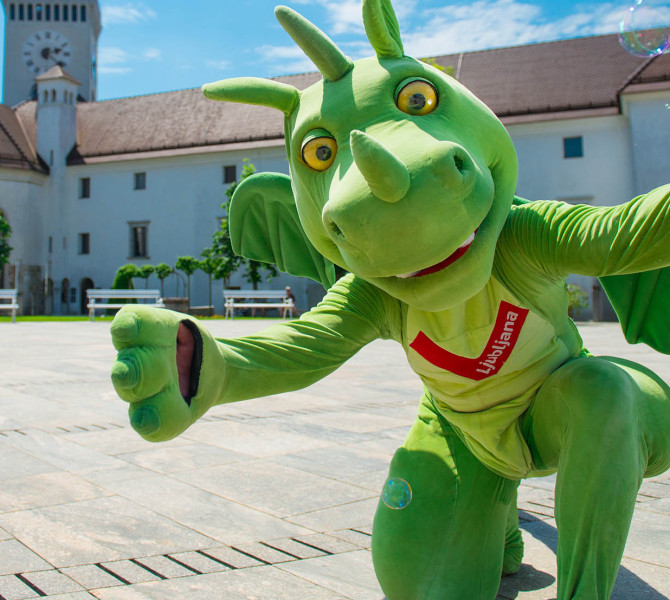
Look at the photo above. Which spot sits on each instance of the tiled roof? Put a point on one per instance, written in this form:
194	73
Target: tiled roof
552	76
15	150
536	79
56	72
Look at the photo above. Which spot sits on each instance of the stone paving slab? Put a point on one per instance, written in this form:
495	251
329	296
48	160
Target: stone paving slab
270	499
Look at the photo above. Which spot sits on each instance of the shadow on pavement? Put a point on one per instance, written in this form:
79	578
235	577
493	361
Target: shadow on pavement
628	585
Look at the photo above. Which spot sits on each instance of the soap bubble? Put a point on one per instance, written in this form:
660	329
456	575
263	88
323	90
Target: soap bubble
645	28
397	493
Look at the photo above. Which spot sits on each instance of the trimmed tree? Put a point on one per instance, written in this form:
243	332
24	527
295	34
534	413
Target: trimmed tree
188	265
162	271
222	249
5	248
145	273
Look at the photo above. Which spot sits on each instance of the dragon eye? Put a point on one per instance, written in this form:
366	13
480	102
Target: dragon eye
416	97
318	153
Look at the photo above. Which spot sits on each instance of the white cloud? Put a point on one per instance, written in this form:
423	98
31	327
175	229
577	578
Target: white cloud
152	54
219	65
109	55
497	23
286	59
126	13
116	61
114	70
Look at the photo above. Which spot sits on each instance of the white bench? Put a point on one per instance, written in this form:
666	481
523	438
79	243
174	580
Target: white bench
257	299
96	297
9	301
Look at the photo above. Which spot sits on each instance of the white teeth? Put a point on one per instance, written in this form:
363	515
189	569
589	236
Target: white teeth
468	241
465	244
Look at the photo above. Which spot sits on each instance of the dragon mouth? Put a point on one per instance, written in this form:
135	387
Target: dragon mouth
460	251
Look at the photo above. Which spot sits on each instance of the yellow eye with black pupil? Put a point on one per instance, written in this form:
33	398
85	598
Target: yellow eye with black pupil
319	153
417	98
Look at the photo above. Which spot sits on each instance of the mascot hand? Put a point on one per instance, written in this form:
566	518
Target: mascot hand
158	367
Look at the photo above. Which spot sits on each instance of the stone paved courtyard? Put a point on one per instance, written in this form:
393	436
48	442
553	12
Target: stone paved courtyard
270	499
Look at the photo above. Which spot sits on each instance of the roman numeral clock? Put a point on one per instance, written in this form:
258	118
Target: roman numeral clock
46	49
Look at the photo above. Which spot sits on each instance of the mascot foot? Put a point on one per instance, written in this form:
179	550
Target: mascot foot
513	553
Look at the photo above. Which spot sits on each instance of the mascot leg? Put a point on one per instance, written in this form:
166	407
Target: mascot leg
447	543
603	423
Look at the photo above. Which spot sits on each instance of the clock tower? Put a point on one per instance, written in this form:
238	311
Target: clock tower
43	35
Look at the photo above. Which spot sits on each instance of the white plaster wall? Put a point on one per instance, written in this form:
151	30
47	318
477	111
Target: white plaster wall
605	172
649	116
22	201
182	204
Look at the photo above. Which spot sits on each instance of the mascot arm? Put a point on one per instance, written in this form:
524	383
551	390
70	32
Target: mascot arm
561	238
284	357
295	354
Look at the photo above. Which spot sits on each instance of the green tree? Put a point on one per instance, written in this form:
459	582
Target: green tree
210	265
123	280
222	249
449	70
188	265
162	271
5	248
145	273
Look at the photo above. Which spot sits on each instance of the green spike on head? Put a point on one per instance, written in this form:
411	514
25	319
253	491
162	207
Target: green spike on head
253	90
318	47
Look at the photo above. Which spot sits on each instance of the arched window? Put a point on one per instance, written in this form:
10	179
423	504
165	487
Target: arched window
45	96
53	95
65	291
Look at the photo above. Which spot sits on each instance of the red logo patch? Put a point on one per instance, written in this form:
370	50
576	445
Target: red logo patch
498	349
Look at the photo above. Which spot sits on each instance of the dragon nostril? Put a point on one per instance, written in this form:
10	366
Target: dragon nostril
335	229
459	162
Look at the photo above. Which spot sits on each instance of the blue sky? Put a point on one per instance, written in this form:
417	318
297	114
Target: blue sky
153	46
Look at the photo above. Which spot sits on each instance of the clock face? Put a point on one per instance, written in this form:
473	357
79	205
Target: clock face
44	50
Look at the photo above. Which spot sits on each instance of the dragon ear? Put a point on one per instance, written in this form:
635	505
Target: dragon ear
382	29
264	226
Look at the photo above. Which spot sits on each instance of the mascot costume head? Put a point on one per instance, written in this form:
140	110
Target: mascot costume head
398	173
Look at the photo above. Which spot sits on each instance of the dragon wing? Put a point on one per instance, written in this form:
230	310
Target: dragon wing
264	225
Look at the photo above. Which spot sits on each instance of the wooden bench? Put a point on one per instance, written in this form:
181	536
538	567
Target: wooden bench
96	297
9	301
257	299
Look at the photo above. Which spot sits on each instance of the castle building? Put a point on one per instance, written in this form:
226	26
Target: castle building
88	185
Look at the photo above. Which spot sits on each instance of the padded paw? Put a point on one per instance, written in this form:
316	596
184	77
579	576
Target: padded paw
145	371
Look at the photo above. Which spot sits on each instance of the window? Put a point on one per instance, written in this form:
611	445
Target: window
84	243
573	147
56	12
73	295
229	174
47	12
38	12
138	240
21	12
73	14
83	14
30	12
140	181
65	12
12	12
51	244
85	187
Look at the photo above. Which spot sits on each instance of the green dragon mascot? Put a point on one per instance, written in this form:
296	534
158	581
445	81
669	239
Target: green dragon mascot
406	181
